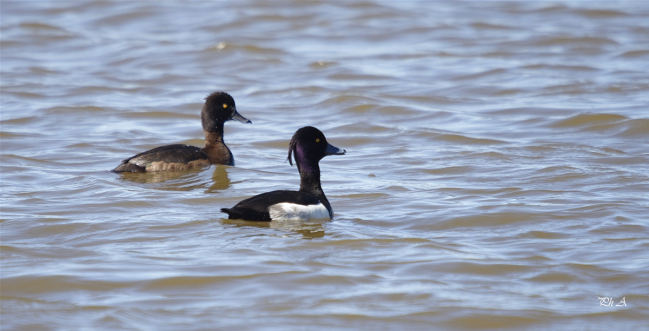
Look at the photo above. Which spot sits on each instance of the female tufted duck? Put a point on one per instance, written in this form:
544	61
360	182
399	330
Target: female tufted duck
309	146
219	107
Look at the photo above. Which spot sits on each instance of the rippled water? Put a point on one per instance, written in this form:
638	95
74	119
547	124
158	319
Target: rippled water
496	173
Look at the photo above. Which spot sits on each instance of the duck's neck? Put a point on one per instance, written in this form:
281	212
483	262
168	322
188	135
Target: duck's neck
310	180
215	148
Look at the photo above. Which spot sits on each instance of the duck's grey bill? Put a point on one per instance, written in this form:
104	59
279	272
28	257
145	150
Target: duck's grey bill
333	150
237	117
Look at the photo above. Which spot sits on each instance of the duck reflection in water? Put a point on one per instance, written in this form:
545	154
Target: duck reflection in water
220	179
308	230
183	180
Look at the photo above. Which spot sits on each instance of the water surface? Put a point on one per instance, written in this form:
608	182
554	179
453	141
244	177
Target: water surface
496	174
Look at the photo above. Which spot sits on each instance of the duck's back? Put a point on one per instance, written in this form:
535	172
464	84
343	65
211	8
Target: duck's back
276	205
165	158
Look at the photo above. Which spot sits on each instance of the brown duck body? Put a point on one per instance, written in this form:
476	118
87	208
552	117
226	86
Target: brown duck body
219	107
175	158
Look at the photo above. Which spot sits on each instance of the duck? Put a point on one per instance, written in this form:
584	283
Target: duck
219	108
308	146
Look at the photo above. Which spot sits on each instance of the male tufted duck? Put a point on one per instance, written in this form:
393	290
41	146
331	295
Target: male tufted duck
219	107
308	146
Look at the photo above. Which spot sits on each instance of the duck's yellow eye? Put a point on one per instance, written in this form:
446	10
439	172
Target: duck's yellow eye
317	140
225	105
